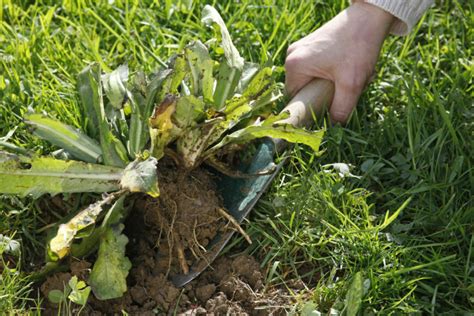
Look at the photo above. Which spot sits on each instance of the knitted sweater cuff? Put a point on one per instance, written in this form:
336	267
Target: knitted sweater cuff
407	12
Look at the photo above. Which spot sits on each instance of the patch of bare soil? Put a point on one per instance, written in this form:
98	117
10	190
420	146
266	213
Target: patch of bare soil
167	235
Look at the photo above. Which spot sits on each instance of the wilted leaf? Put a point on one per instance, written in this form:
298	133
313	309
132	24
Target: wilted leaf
115	84
73	141
140	176
36	176
60	244
162	129
116	214
108	276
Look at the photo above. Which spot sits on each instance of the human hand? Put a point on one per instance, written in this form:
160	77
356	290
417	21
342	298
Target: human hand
345	51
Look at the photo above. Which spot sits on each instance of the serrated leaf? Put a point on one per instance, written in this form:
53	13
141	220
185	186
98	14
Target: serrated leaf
115	84
109	273
201	66
73	141
270	128
140	176
60	244
36	176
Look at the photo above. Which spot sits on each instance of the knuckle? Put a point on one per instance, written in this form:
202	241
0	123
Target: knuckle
292	62
291	48
353	82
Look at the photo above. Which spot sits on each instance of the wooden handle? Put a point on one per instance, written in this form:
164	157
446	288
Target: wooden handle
309	101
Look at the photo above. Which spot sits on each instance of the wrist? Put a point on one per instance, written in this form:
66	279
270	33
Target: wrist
375	16
368	23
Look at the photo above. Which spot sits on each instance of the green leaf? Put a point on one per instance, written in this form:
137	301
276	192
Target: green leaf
115	84
201	67
90	90
73	141
109	273
36	176
230	70
87	86
210	16
56	296
269	128
227	80
79	291
153	89
140	176
138	134
354	295
189	111
248	72
60	244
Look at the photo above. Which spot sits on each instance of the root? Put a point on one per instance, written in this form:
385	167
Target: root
235	224
226	170
181	257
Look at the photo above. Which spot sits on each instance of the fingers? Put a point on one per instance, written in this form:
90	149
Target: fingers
295	77
345	99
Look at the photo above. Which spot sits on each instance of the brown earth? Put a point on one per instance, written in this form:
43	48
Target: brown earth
166	236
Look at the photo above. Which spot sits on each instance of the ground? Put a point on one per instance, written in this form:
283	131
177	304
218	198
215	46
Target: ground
404	228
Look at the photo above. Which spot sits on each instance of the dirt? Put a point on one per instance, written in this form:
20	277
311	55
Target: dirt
166	236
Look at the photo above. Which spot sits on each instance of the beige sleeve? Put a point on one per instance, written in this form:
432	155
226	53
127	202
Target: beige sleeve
407	12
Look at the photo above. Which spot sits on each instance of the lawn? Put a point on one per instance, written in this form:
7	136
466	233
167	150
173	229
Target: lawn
399	236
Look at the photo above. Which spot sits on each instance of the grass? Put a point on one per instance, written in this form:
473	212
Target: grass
406	225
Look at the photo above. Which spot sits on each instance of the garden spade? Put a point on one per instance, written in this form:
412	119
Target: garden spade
241	194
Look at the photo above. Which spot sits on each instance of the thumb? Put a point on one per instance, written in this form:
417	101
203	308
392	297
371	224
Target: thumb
344	101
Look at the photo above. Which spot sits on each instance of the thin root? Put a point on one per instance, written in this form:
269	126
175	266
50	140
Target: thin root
226	170
235	223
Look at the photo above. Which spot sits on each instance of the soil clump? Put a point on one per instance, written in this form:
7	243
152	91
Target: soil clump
166	236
